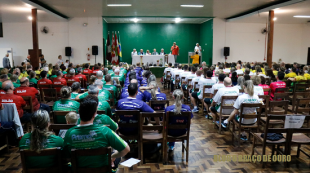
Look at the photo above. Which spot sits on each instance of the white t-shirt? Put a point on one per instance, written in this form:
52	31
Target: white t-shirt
168	69
196	79
134	53
202	82
216	79
176	72
239	88
226	91
239	71
246	98
190	76
216	87
198	49
185	73
59	62
226	70
258	90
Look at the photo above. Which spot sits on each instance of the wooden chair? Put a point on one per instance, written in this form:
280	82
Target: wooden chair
49	96
283	111
152	134
265	99
6	144
112	99
46	152
69	83
135	125
58	88
57	127
303	110
187	92
83	83
206	93
179	126
76	153
267	90
220	116
196	87
215	91
264	142
167	81
154	104
87	76
59	116
281	93
183	80
29	106
177	81
237	126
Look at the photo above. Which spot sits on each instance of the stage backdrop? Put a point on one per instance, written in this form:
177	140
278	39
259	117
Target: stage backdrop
148	36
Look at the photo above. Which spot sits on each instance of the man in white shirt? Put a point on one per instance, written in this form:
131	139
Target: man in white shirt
239	71
27	60
228	90
169	68
59	62
198	48
134	52
218	85
162	52
191	75
196	79
174	73
202	82
227	68
185	72
154	52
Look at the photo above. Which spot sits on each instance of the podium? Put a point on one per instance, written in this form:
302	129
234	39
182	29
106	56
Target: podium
191	54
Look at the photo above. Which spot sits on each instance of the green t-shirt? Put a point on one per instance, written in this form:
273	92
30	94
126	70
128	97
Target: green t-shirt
41	161
103	120
53	76
113	88
120	78
103	95
73	96
33	80
92	137
64	72
65	105
16	85
105	106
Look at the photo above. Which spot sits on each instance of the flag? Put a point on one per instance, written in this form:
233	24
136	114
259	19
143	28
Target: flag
109	56
113	48
120	48
115	58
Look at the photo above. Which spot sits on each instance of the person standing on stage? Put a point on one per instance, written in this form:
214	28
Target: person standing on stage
154	52
175	51
134	52
198	48
6	62
27	60
141	52
162	52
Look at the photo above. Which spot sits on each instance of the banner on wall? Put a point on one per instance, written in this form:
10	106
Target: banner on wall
109	56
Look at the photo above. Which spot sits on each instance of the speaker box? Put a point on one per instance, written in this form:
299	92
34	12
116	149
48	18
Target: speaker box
94	50
226	51
68	51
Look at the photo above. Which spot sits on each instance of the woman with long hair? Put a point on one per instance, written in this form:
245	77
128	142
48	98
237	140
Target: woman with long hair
234	78
264	85
154	94
248	97
40	138
65	103
76	88
258	90
177	108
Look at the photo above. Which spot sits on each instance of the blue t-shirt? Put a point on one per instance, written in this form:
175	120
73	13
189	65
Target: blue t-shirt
125	94
131	104
144	81
160	96
178	120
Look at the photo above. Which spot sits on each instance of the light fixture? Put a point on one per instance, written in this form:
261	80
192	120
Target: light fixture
301	16
119	5
277	9
197	6
28	5
274	19
177	20
135	20
29	17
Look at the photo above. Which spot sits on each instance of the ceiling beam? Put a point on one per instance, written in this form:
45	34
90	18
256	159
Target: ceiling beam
46	8
263	8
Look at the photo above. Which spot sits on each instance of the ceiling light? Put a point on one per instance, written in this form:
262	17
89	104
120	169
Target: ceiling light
119	5
29	17
277	9
197	6
28	5
135	20
274	19
300	16
177	20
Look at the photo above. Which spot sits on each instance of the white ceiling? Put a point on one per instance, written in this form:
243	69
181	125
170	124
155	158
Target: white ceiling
157	20
17	11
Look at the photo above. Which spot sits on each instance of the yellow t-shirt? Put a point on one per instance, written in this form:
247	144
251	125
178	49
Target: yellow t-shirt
195	59
299	78
243	69
307	76
291	74
263	70
275	72
50	71
38	72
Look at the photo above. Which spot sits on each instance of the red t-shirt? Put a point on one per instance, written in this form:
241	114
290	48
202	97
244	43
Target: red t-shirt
87	71
72	78
29	91
95	71
175	51
81	76
265	86
44	82
2	92
61	81
274	86
18	100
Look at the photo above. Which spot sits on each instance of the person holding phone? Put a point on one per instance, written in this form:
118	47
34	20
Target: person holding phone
175	51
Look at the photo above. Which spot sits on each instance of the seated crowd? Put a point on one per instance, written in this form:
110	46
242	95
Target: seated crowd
84	91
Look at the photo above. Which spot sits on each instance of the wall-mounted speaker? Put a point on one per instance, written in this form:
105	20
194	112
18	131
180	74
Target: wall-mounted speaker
94	50
68	51
226	51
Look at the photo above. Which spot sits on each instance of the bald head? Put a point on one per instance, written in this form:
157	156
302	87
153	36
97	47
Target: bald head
7	86
24	81
227	81
133	81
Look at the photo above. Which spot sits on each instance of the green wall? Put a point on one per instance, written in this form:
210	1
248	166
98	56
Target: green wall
206	41
162	35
